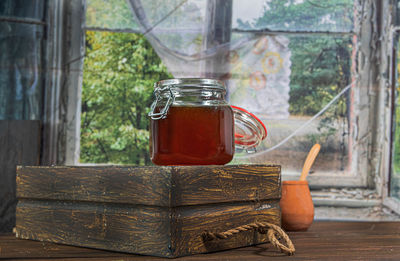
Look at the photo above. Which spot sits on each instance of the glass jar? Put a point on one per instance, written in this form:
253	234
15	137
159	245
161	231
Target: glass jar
192	124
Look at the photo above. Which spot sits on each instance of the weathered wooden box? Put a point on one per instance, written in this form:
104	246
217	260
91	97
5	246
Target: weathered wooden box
160	211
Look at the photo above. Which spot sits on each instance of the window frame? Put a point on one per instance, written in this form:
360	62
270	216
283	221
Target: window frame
63	82
392	49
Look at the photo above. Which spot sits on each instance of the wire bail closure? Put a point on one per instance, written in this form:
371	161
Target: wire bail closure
163	113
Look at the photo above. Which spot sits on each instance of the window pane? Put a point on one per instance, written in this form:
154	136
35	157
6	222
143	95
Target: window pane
397	21
284	79
298	15
286	88
119	72
114	14
20	71
178	24
395	173
23	8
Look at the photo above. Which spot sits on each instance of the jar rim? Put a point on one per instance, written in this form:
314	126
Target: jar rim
250	131
193	82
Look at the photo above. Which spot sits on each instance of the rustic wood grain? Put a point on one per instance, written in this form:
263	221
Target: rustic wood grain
157	186
323	241
159	211
146	230
140	229
19	144
190	222
131	185
214	184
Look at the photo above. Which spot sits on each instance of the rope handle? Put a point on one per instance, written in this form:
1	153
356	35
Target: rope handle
262	227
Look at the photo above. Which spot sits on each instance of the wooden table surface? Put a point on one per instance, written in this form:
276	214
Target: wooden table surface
323	241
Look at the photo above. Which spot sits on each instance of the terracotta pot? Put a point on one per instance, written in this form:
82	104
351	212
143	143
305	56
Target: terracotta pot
296	205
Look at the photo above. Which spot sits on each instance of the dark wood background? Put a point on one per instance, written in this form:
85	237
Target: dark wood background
19	145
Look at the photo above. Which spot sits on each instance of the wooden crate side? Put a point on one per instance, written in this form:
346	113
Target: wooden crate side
190	222
232	183
155	186
130	185
134	229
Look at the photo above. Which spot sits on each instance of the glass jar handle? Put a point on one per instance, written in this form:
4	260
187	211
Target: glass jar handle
163	113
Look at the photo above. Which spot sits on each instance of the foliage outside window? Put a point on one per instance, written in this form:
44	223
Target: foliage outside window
119	73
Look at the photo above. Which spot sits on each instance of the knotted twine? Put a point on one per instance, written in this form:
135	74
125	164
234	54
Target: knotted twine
262	227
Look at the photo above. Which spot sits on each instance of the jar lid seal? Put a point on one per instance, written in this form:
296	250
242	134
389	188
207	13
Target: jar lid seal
200	82
250	131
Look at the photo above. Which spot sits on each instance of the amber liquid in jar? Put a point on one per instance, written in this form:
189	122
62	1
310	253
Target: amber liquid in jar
193	135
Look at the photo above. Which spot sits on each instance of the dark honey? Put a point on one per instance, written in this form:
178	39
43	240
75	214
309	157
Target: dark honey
191	135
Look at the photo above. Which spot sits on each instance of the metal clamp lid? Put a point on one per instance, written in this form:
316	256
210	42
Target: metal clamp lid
162	114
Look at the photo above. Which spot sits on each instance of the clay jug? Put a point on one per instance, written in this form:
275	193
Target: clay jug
296	205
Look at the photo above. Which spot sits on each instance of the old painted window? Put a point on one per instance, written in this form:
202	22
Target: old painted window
287	61
313	71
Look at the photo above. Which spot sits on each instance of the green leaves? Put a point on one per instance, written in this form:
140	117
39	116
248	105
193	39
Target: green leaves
320	70
117	91
306	15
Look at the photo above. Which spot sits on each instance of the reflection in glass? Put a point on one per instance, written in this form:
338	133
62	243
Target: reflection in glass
20	71
397	12
22	8
319	68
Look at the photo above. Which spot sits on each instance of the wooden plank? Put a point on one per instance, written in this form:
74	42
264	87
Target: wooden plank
140	229
190	222
144	230
19	144
323	241
156	186
131	185
216	184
